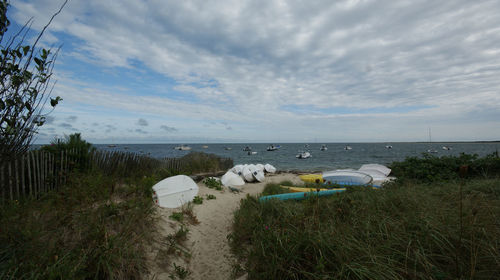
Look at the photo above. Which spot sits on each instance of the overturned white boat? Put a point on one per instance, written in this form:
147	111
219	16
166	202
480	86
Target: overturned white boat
247	172
375	166
269	168
175	191
231	179
346	177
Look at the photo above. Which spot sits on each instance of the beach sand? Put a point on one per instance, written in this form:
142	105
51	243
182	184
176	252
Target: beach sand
207	242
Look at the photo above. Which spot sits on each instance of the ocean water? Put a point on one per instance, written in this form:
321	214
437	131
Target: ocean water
335	157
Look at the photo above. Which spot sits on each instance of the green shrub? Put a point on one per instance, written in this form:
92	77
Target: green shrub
177	216
77	149
431	168
213	183
197	162
198	200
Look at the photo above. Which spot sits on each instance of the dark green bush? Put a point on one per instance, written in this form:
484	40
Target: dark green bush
197	162
431	168
77	149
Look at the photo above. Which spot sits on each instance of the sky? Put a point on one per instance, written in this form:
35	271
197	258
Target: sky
157	71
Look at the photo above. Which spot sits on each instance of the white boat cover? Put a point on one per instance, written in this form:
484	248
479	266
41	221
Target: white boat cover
173	192
237	169
259	175
376	174
383	169
269	168
347	177
247	173
260	167
232	180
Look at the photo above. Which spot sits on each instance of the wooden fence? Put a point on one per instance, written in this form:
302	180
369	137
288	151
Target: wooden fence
37	172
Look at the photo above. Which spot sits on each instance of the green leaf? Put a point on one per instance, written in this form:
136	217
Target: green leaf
38	61
2	105
26	49
28	105
55	101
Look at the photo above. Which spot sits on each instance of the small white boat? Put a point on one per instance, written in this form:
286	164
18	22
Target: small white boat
375	166
432	151
228	148
173	192
303	155
347	148
247	172
204	147
272	147
447	148
323	148
231	180
388	147
269	168
251	153
183	148
260	167
347	177
259	175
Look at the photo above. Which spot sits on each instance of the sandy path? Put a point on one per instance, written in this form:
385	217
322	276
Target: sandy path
210	253
211	256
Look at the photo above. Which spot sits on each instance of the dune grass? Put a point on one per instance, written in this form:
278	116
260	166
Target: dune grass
405	231
81	231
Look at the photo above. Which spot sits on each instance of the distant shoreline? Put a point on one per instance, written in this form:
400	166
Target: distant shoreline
315	142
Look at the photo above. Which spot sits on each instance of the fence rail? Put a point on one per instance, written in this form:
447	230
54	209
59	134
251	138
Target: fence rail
37	172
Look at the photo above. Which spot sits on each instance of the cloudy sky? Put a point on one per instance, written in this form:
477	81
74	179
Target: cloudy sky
159	71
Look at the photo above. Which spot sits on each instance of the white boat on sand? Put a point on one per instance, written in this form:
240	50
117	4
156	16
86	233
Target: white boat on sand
175	191
350	177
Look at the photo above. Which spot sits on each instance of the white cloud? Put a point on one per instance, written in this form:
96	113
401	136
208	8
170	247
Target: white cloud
247	61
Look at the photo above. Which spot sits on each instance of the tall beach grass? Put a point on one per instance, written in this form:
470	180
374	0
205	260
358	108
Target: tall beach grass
448	229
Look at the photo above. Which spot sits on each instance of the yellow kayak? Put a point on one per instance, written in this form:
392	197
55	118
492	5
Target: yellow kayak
298	189
312	178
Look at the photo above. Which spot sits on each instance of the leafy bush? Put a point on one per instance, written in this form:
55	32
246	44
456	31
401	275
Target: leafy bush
78	149
213	183
431	168
197	162
198	200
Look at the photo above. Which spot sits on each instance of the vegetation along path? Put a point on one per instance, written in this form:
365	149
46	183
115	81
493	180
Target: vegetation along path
210	255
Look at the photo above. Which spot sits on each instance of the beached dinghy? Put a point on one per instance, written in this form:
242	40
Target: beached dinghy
312	178
346	177
374	166
247	173
237	169
299	195
231	180
259	175
269	168
174	191
260	167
